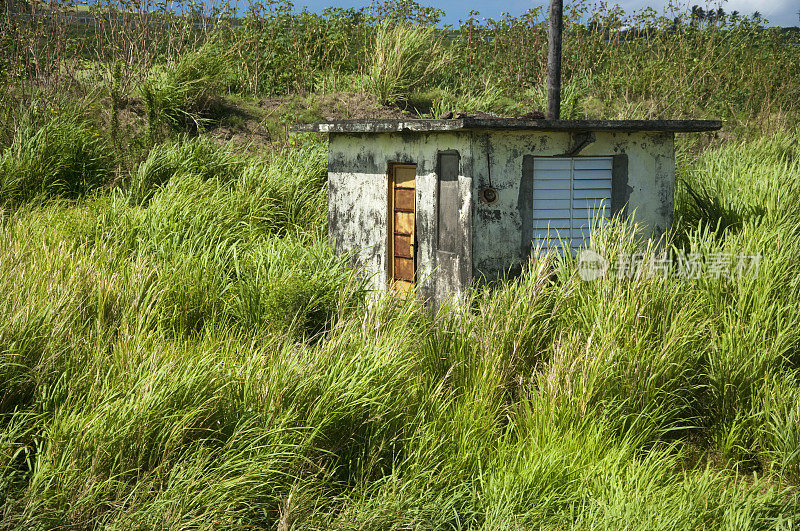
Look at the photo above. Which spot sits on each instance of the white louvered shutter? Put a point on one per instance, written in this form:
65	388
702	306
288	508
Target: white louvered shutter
569	194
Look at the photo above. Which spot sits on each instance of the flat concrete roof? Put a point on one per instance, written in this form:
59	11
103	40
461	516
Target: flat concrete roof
509	124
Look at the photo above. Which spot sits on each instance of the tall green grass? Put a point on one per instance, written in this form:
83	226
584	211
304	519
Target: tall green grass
403	60
64	157
186	351
637	64
184	95
185	156
201	359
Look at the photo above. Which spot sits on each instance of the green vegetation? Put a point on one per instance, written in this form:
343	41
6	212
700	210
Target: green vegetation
180	348
404	59
184	95
61	157
205	360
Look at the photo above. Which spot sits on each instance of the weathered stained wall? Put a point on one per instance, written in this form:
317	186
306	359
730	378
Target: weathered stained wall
497	227
490	235
358	205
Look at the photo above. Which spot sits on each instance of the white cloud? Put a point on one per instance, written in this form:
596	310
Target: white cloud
778	12
783	12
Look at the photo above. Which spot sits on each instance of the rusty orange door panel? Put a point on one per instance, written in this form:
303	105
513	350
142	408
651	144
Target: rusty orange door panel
402	210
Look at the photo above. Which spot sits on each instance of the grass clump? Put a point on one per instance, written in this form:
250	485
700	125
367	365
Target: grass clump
240	236
184	96
185	156
62	157
404	59
491	100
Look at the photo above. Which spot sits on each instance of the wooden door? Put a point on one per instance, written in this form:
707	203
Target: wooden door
402	243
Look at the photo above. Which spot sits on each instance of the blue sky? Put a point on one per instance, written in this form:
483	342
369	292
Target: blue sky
778	12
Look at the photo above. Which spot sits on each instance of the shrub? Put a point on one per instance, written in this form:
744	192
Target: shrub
65	157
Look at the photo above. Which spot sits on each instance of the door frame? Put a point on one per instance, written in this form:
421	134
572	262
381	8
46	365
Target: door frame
391	180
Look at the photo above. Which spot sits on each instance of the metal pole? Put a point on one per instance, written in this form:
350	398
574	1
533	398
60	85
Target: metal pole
554	60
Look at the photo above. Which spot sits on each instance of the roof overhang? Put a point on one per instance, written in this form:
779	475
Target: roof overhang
506	124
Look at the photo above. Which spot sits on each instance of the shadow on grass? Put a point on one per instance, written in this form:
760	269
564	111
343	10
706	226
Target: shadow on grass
706	208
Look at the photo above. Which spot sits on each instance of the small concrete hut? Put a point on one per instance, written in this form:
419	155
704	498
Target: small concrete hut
435	204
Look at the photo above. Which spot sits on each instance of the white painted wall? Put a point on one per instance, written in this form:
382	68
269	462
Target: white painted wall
358	195
496	228
358	210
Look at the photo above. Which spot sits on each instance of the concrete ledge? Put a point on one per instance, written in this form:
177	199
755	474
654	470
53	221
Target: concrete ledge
511	124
